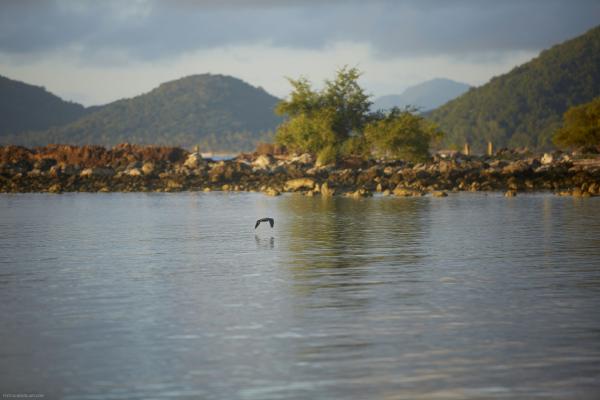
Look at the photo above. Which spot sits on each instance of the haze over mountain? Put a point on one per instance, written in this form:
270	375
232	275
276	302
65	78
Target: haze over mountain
525	106
25	107
425	96
216	112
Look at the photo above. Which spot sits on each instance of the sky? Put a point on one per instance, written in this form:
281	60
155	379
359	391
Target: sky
94	52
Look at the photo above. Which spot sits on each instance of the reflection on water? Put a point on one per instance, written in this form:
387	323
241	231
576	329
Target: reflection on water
135	296
263	243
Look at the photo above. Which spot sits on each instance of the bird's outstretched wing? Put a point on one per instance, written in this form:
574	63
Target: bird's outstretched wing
271	222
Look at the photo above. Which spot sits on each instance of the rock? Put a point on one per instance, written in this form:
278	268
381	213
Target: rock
547	158
577	192
513	184
86	173
104	189
263	161
194	161
173	185
97	172
34	172
379	188
301	183
386	192
326	191
271	192
439	193
510	193
55	171
403	192
56	188
134	172
225	188
517	167
148	168
303	159
360	193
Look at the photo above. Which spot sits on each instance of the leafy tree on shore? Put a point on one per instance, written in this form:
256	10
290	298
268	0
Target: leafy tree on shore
336	121
401	134
581	126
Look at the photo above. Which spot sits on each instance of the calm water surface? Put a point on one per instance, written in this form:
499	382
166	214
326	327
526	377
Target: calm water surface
149	296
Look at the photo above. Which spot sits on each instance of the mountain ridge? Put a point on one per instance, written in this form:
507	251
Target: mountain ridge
18	98
524	107
217	112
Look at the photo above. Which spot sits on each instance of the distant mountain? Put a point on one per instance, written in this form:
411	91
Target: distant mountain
425	96
25	107
525	106
216	112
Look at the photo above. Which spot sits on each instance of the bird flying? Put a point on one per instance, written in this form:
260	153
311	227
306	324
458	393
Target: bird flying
271	222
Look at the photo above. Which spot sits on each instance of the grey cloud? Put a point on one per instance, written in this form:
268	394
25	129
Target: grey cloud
150	29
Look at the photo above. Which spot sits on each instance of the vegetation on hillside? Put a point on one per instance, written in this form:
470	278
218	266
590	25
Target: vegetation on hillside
581	127
26	107
336	121
217	112
524	107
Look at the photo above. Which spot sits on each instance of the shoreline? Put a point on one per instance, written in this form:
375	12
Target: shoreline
131	168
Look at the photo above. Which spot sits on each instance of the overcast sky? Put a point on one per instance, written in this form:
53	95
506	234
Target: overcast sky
94	52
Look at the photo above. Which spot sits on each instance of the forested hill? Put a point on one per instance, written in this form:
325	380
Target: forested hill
525	106
215	111
25	107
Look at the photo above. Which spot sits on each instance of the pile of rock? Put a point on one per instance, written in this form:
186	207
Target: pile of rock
167	169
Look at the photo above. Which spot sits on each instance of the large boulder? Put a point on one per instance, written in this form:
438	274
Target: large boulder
547	158
97	172
326	191
301	183
194	161
134	172
148	168
303	159
517	168
404	192
263	161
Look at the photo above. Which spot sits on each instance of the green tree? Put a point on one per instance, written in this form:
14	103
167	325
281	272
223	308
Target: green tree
349	101
336	121
401	134
308	131
581	126
325	118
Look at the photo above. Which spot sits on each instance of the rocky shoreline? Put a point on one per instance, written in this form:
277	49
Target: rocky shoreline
131	168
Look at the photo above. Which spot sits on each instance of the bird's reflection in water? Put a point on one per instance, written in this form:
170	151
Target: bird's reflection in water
264	243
